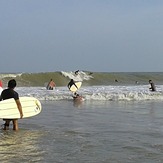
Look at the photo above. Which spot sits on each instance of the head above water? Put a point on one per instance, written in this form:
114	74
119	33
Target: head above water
12	83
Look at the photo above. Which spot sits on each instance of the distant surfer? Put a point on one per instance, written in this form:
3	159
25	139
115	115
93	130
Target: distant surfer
152	88
116	80
71	83
136	82
77	72
7	94
51	85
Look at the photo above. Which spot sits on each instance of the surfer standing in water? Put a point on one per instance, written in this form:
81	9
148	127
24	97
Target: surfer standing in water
7	94
152	88
77	97
51	85
71	83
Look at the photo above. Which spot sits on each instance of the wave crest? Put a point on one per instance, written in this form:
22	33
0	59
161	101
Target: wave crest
80	76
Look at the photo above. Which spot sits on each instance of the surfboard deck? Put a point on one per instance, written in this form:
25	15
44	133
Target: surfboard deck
73	88
30	106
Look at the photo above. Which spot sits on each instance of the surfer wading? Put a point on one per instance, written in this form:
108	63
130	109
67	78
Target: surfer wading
77	97
51	85
71	83
7	94
153	87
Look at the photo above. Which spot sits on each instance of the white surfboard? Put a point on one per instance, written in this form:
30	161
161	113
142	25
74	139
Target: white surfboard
30	106
74	88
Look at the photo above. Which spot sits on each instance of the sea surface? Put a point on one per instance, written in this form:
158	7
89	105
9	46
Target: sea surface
61	78
117	122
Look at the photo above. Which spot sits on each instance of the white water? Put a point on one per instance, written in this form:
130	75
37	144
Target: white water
79	77
102	93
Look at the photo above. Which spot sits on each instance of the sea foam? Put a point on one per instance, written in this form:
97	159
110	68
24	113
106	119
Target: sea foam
95	93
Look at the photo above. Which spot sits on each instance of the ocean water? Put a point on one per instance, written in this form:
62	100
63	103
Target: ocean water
116	123
93	132
88	78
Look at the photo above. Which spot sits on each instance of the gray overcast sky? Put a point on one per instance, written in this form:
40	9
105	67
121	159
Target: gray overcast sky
93	35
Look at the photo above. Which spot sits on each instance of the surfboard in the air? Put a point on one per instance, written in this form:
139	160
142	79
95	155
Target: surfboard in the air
74	88
30	107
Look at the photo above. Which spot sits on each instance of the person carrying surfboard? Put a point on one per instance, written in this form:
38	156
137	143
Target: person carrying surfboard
71	83
11	93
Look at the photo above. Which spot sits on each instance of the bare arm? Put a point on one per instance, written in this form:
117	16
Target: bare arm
19	108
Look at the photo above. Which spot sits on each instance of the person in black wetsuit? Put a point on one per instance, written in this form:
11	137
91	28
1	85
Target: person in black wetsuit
7	94
71	83
77	72
152	88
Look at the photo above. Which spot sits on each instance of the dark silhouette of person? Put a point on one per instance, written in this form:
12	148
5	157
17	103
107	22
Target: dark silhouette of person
71	83
152	88
77	72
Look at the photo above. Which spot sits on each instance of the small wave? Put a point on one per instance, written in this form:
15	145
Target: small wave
95	93
124	96
2	76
